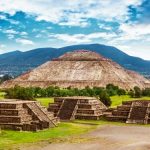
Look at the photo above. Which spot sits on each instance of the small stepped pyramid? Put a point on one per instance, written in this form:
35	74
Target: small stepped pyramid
137	111
68	108
24	115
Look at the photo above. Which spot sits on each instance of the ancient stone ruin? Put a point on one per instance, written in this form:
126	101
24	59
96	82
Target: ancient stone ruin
25	115
69	108
79	69
132	112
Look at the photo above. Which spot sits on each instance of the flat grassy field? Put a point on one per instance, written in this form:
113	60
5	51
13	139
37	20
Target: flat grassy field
45	100
2	94
9	139
66	132
117	100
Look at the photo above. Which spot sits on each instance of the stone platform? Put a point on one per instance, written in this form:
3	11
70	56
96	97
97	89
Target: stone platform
137	111
69	108
25	115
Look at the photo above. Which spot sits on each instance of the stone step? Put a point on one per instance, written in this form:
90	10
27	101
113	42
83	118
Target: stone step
127	103
120	113
123	108
116	118
87	117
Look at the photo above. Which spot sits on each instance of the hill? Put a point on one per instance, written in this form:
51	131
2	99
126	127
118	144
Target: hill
17	62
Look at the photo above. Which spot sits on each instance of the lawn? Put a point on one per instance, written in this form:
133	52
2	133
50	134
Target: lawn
45	100
10	139
2	94
117	100
65	132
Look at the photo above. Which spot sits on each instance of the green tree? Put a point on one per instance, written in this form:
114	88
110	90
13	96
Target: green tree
137	92
104	97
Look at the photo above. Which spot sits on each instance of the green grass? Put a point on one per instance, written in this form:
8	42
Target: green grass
65	132
117	100
13	138
2	94
45	100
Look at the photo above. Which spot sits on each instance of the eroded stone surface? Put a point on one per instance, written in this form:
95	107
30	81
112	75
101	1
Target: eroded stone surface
79	69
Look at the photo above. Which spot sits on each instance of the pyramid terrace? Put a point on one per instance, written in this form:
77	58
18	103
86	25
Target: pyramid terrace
69	108
137	111
25	115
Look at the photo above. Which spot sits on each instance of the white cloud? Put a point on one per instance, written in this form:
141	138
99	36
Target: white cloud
10	31
134	32
3	17
73	13
23	33
135	29
10	36
82	38
24	41
38	36
2	46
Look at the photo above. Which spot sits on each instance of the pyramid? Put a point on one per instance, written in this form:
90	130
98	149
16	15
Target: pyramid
25	115
79	69
79	107
137	111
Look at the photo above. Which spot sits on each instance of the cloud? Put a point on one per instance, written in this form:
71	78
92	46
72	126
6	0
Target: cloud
10	36
2	46
3	17
73	13
143	12
24	41
82	38
134	31
23	33
10	31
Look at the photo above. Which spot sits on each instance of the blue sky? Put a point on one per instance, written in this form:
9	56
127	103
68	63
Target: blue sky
28	24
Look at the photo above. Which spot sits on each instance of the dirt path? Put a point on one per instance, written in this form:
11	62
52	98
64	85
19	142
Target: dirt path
108	137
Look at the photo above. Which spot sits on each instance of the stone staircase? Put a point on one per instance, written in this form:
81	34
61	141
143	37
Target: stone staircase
40	114
25	115
137	111
67	109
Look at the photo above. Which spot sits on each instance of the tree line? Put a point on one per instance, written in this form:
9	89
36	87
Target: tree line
103	94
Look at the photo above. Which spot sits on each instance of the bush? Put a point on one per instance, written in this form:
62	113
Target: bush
20	93
104	98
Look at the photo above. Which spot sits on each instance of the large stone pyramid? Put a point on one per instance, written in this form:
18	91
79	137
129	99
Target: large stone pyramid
79	69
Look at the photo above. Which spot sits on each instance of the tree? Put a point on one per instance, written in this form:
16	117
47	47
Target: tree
20	93
112	89
104	98
131	93
146	92
121	92
137	92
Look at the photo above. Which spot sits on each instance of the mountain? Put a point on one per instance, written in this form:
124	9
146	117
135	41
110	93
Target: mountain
79	69
18	62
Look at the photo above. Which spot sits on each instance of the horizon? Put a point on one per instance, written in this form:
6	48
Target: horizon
76	49
27	25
